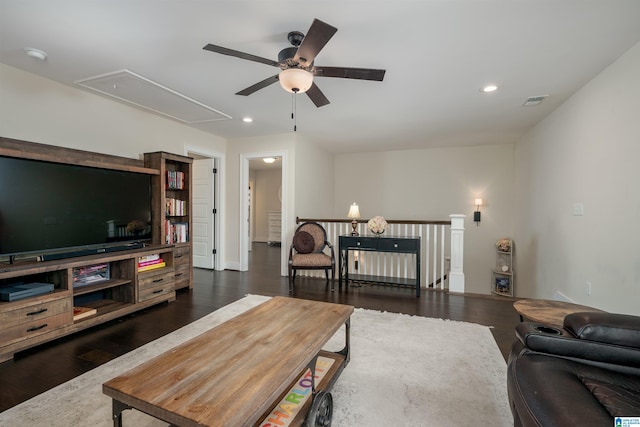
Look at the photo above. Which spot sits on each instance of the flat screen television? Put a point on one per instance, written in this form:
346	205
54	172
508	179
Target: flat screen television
53	208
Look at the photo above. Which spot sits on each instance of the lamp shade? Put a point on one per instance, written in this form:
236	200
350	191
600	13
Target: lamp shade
478	202
354	212
295	80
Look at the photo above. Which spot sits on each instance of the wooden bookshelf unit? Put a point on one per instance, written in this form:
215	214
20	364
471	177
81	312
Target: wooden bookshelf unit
171	209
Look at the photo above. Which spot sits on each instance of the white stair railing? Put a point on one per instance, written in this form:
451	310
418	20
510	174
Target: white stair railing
441	250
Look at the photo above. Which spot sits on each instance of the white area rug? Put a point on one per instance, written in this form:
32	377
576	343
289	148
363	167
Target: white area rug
404	371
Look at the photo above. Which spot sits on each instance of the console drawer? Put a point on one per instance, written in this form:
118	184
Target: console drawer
181	256
27	311
398	245
162	289
34	328
156	285
182	276
359	242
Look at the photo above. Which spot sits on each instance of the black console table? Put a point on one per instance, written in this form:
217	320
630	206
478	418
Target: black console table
407	245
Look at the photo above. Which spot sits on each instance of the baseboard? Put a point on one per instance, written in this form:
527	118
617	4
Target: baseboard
232	266
559	296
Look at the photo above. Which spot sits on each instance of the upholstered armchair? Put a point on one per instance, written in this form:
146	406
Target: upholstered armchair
307	252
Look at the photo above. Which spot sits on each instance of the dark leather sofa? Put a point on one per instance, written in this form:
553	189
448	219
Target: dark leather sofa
584	374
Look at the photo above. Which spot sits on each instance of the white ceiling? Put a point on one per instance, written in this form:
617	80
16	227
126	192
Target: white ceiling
437	53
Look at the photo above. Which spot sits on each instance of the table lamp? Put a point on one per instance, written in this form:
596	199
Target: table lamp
354	214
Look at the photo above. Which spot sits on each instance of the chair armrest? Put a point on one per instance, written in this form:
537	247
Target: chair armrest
561	342
609	328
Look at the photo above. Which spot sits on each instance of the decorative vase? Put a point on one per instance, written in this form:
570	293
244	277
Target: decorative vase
377	225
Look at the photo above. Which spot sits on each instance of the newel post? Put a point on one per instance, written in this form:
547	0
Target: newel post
456	275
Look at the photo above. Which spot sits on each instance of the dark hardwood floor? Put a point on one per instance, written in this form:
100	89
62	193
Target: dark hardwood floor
36	370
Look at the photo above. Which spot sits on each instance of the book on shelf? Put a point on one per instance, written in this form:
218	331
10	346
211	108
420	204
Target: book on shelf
175	180
151	262
82	312
175	207
146	258
152	266
176	232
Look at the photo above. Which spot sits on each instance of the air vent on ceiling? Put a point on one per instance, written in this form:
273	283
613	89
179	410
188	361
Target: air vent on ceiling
132	88
534	100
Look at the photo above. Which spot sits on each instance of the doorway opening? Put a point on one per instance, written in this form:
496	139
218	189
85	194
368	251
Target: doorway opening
264	203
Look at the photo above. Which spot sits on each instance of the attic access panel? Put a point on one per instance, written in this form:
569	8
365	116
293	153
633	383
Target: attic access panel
132	88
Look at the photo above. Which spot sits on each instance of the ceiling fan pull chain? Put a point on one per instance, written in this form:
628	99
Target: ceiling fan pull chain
294	111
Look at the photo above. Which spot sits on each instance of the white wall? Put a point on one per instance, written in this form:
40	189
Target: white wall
586	151
431	184
40	110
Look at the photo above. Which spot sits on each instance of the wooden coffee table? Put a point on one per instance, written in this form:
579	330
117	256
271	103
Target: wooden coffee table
235	373
549	312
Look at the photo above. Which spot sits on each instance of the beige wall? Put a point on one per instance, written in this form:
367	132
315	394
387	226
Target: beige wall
40	110
586	152
314	196
431	184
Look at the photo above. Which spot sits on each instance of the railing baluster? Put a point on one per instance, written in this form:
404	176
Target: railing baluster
442	272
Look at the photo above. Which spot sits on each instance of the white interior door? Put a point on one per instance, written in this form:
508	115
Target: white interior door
203	235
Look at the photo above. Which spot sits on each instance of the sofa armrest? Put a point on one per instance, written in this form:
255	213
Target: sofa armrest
560	342
609	328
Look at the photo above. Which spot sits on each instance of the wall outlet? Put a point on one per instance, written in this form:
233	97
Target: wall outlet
588	288
578	209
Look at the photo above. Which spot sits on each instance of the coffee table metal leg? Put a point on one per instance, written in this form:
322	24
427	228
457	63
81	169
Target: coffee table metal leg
118	407
347	345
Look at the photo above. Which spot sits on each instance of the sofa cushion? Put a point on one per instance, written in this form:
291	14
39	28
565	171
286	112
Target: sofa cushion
551	391
303	242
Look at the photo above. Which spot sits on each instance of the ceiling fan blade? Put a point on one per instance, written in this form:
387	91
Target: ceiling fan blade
260	85
241	55
317	37
315	94
350	73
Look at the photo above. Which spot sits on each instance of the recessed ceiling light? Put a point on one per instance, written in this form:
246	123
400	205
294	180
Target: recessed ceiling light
247	119
269	159
489	88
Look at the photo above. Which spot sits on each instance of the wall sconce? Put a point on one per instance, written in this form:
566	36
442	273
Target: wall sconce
354	214
476	214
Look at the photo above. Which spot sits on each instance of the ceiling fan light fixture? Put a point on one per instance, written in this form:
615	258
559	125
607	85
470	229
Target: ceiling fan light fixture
295	80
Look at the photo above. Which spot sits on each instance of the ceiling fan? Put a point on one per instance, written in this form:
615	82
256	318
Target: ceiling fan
297	65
